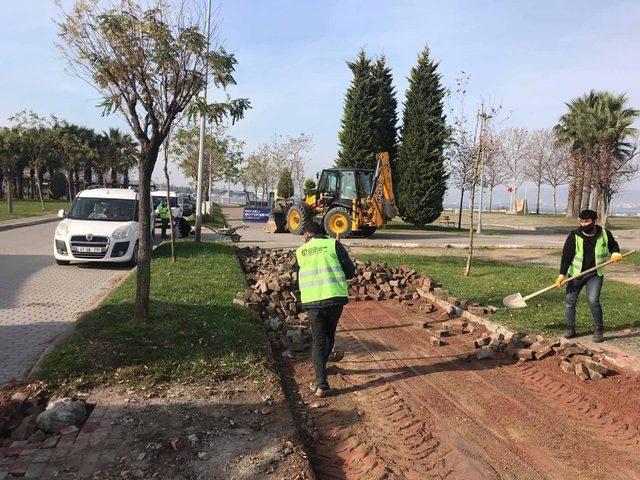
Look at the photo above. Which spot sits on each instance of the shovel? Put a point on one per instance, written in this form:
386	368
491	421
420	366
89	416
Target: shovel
518	301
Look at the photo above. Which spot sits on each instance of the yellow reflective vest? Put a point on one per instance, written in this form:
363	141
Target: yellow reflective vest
320	276
601	253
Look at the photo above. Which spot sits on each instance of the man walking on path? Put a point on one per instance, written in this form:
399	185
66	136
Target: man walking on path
323	267
585	248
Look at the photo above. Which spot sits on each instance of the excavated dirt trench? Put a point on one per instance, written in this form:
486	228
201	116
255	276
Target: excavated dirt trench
403	409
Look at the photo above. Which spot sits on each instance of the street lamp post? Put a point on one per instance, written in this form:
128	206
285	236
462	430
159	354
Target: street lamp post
203	126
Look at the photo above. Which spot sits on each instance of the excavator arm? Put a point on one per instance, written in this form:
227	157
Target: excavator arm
381	202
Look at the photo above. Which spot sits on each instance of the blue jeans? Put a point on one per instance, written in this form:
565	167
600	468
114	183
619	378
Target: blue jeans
593	284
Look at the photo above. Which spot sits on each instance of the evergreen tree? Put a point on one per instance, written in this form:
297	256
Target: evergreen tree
358	136
420	175
385	109
285	185
309	187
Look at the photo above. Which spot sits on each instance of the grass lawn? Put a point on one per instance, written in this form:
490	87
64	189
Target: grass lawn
491	281
195	331
494	222
31	208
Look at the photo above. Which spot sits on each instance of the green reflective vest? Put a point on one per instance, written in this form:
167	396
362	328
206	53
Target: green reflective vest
163	211
320	276
602	252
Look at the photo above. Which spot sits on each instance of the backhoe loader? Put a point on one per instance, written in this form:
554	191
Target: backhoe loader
347	202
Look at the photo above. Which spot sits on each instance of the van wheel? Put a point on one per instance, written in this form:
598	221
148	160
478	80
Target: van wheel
134	257
62	262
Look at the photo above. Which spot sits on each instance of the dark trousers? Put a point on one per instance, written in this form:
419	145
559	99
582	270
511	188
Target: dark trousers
592	283
324	322
163	227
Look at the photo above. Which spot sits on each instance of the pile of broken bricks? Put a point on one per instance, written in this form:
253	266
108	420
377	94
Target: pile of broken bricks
272	292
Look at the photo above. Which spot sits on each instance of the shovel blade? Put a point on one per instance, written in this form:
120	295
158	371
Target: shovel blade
514	301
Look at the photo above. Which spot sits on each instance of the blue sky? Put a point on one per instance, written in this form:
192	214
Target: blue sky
528	56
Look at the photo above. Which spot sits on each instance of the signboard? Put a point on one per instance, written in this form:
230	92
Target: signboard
256	214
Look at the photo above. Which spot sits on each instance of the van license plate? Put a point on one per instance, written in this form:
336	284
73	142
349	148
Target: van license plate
89	249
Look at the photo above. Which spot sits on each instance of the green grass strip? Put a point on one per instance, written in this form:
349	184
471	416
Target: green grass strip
194	332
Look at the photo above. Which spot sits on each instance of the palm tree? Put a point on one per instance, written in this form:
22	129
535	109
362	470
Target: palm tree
120	149
598	130
575	130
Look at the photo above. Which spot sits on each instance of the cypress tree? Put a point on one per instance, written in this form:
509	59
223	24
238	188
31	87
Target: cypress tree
420	175
285	184
358	135
385	109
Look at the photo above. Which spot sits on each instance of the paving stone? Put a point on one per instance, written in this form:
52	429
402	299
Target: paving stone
40	300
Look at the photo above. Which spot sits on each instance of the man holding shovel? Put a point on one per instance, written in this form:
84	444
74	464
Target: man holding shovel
585	248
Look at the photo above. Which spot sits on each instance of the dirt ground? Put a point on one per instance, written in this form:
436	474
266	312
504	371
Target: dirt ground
241	430
403	409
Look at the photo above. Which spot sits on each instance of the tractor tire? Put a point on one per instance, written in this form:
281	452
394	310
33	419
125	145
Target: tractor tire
338	221
368	231
297	217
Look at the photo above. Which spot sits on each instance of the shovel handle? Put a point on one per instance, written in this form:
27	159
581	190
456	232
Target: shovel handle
581	274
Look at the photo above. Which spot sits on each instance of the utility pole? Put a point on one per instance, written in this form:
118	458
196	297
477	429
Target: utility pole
203	126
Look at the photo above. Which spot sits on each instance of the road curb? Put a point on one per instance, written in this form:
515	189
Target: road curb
36	221
448	245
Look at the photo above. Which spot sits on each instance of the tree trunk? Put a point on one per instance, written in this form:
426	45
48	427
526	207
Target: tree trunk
596	200
143	277
460	209
491	198
9	191
39	186
538	199
32	184
573	183
165	149
114	177
555	200
125	179
1	183
577	201
69	186
20	185
474	181
586	190
86	175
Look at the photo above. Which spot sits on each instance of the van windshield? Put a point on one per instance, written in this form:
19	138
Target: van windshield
104	209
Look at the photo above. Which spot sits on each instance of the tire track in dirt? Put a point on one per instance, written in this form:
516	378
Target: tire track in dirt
537	420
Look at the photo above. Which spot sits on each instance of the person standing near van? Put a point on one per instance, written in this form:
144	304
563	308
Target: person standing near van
163	212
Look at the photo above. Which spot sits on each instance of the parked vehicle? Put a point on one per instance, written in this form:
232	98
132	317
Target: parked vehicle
188	206
101	226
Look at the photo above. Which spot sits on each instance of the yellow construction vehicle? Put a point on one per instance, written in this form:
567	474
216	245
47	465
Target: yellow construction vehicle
347	201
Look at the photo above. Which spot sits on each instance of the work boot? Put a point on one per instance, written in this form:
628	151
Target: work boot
336	356
598	336
570	333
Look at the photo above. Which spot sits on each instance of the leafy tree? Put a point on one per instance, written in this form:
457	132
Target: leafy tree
9	146
309	187
149	65
358	141
58	185
285	185
421	178
385	109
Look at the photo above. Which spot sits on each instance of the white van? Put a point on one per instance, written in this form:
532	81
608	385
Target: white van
101	226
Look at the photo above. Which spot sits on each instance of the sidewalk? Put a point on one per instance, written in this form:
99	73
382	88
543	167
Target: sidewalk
26	222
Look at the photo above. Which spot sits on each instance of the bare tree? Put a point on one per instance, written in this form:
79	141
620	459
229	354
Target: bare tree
148	63
542	150
557	171
515	152
494	168
461	151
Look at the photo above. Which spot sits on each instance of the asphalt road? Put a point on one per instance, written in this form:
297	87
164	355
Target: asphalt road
40	300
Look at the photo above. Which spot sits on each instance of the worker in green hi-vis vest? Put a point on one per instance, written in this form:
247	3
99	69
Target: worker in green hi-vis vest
323	267
586	247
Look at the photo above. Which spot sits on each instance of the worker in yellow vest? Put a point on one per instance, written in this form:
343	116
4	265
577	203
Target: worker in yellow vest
323	267
163	212
586	247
